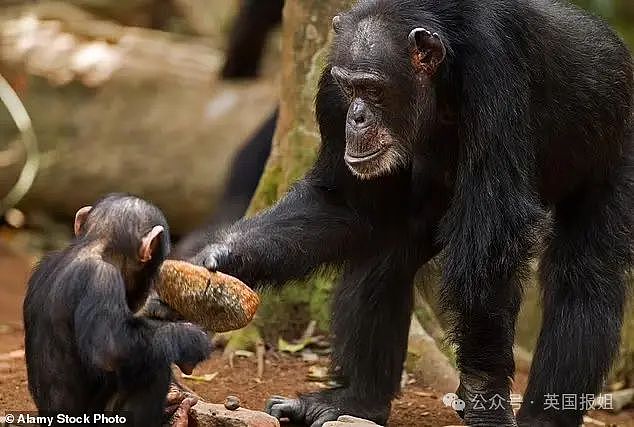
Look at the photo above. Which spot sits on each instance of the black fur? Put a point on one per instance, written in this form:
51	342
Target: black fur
531	111
256	19
86	351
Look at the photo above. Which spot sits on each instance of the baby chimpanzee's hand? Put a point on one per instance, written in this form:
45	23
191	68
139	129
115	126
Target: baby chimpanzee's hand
190	344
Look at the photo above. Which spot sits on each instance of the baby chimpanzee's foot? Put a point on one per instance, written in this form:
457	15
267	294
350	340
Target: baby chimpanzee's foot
178	397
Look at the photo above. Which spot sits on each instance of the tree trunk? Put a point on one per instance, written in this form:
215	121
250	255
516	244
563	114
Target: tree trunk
306	36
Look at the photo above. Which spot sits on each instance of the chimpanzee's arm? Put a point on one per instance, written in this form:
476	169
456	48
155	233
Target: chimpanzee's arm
318	222
248	37
488	231
110	338
488	234
310	226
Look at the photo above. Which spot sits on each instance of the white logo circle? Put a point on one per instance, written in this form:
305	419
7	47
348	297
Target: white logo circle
458	405
448	398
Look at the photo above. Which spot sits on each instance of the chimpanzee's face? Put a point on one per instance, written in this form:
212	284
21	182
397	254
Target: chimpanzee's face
387	91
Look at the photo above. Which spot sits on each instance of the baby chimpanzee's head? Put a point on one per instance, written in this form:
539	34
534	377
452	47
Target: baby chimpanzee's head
128	232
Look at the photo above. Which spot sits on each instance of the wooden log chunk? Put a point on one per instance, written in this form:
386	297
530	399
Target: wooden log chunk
214	300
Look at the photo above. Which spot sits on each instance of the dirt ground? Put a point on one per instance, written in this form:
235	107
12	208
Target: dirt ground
283	374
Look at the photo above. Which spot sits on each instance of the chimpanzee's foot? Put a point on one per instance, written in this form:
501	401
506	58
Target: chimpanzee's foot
181	416
484	405
314	409
177	396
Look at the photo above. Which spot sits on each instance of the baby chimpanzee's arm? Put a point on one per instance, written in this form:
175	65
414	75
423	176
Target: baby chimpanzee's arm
110	338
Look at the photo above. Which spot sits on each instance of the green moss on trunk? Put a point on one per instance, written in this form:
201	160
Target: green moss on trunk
306	36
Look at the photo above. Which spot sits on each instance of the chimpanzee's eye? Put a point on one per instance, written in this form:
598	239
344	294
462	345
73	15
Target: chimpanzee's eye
347	89
374	94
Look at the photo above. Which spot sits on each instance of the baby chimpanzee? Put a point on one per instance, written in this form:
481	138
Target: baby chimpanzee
86	350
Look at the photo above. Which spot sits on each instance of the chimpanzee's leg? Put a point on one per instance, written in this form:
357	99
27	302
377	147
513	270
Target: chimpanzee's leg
584	289
371	314
482	291
146	401
484	333
248	36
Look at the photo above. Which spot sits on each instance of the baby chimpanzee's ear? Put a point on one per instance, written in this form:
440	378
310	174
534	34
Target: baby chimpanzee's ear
80	218
150	242
427	49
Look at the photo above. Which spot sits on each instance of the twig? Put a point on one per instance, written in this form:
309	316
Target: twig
22	120
259	351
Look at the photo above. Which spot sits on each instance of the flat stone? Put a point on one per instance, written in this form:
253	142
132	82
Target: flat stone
205	414
620	399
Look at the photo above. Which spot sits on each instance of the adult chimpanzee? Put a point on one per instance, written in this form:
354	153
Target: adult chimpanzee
453	125
86	351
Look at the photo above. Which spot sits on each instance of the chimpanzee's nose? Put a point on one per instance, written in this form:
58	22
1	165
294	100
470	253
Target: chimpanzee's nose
360	116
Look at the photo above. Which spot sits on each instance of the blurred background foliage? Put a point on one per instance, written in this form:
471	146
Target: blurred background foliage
620	13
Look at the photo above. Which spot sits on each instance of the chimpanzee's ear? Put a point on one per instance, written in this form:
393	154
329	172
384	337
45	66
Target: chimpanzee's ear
150	242
80	218
427	50
336	24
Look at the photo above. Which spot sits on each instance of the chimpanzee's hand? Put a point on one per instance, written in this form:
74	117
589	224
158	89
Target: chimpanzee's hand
315	409
154	308
215	257
192	346
301	411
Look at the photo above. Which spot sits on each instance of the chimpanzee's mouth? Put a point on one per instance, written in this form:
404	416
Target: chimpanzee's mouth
355	159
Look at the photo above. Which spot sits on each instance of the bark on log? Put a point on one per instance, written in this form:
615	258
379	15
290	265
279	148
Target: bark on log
427	363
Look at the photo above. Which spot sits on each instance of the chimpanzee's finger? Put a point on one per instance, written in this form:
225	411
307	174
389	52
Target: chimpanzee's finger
281	408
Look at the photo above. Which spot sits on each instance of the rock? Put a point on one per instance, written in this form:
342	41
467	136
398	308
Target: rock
350	421
621	399
232	403
213	415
